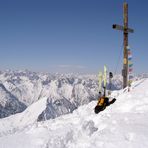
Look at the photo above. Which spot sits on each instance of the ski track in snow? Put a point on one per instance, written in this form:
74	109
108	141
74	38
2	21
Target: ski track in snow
123	124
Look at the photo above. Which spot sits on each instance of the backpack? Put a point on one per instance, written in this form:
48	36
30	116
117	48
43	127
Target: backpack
101	101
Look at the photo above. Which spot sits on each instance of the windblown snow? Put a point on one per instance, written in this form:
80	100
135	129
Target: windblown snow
123	124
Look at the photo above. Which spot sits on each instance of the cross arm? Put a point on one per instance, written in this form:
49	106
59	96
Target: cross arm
119	27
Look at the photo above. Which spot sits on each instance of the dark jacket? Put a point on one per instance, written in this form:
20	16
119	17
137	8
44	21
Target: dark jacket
102	103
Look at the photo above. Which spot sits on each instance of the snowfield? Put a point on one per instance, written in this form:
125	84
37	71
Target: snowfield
123	124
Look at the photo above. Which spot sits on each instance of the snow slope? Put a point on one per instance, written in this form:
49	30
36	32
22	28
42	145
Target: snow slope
21	120
123	124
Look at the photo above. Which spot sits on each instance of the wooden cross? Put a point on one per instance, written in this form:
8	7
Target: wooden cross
125	30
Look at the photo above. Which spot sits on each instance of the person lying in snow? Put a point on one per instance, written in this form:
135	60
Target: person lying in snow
102	103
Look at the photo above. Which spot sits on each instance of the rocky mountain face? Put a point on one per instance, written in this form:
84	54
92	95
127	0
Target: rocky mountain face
65	92
9	104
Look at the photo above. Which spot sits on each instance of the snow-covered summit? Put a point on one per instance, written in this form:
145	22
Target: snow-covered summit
123	124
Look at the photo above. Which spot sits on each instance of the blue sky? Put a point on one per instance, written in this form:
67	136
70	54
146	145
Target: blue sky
70	35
